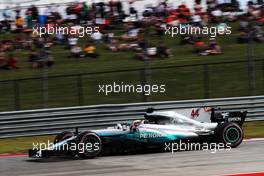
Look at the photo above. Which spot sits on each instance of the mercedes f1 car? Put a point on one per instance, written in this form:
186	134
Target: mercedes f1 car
157	128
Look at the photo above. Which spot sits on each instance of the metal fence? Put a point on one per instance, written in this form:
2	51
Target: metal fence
199	81
52	121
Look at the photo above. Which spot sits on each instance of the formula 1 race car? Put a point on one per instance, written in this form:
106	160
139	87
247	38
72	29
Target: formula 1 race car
157	128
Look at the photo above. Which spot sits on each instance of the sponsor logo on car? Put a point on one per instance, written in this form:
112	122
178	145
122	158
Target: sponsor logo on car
234	119
151	135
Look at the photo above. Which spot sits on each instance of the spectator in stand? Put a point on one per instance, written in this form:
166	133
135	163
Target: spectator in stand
12	62
163	51
101	9
29	18
77	52
261	19
211	4
33	56
113	45
35	13
197	20
244	23
160	10
188	39
119	8
18	11
84	13
77	9
90	51
132	34
7	45
132	11
72	41
199	45
60	38
148	53
160	27
72	16
258	33
216	15
184	15
3	62
19	24
8	64
48	11
213	49
97	37
7	14
44	60
198	7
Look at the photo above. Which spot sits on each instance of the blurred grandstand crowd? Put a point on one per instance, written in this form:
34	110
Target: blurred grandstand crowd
120	31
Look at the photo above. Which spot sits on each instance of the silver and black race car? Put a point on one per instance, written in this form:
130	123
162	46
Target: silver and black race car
157	129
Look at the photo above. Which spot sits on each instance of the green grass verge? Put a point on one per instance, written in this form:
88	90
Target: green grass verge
22	144
254	129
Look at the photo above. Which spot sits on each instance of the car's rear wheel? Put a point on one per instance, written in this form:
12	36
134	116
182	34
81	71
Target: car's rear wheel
230	134
89	145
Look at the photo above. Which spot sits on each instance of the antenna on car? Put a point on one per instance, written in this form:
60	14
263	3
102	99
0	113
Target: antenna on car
76	131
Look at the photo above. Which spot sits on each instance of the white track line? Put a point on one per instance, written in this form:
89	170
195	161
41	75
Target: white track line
254	139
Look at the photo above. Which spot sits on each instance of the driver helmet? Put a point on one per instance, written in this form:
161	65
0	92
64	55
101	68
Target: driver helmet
135	124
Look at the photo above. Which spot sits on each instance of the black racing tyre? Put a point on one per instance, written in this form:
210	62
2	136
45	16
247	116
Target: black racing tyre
230	133
62	136
89	145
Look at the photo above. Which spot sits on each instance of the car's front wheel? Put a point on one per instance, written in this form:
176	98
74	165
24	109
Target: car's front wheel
63	136
89	145
230	134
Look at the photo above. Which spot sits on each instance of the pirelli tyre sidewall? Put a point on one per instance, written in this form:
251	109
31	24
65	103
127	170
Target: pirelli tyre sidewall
62	136
230	133
91	145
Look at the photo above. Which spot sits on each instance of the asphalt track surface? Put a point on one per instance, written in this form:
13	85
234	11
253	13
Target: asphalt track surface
247	158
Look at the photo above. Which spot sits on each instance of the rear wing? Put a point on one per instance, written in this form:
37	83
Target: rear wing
219	116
